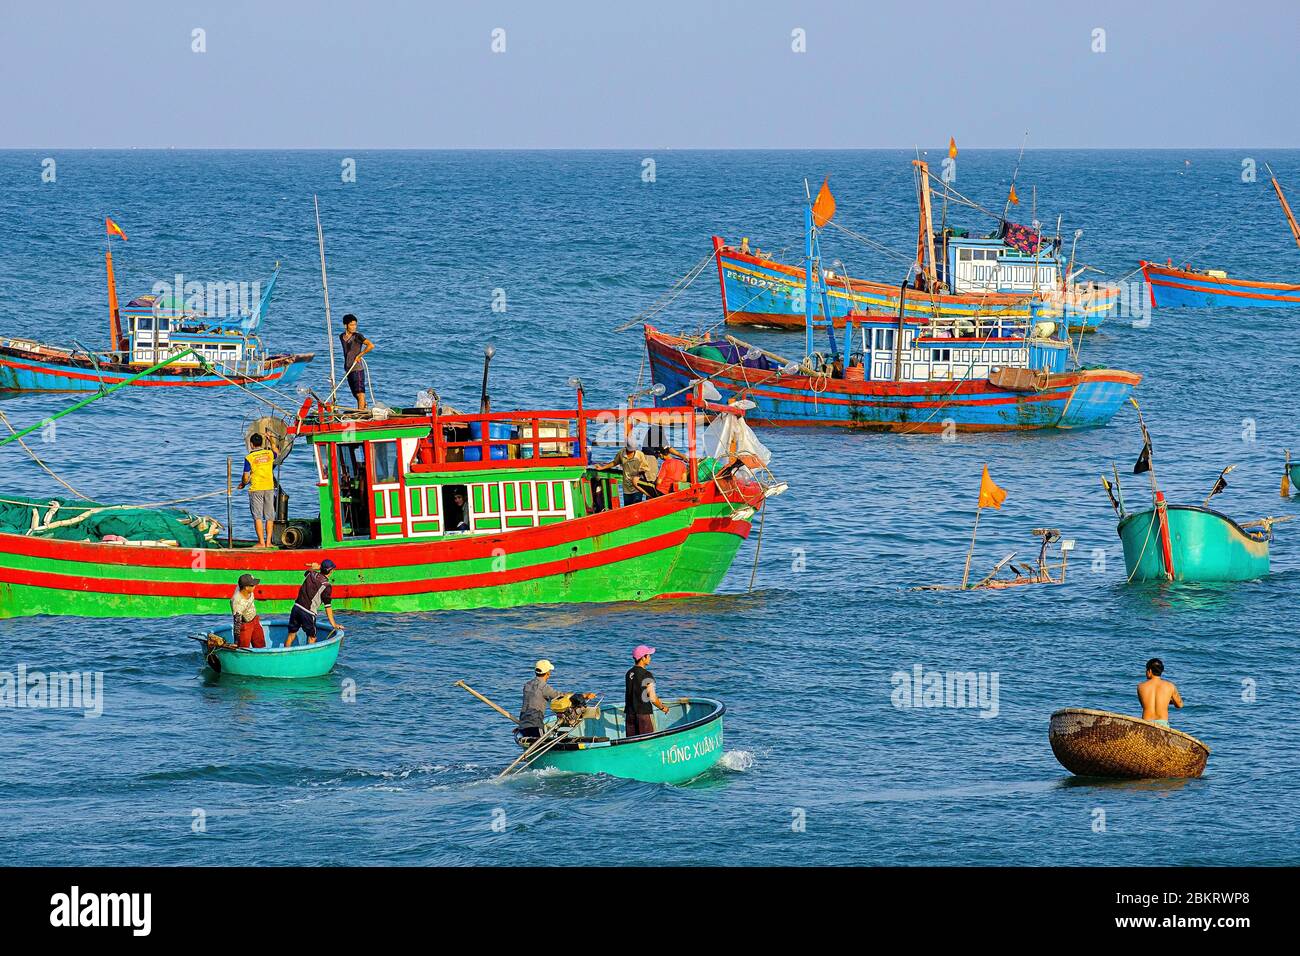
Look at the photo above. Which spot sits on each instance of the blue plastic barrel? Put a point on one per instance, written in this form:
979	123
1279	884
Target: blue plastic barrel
495	430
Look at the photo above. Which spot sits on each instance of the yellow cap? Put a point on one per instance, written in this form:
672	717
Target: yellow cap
543	666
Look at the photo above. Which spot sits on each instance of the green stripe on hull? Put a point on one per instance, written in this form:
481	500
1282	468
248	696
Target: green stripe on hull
694	566
1207	547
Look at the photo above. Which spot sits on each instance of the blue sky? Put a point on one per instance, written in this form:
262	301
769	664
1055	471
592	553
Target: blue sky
654	74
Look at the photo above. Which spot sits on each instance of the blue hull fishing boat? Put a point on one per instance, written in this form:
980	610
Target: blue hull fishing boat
150	329
1185	287
1013	272
898	372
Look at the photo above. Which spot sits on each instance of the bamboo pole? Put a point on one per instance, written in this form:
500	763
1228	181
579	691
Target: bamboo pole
965	575
230	515
473	693
325	285
23	433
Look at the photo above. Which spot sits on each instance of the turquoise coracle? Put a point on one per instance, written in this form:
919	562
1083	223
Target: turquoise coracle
275	660
687	743
1205	545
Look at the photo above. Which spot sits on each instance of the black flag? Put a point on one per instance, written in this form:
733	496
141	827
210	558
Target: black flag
1144	460
1218	486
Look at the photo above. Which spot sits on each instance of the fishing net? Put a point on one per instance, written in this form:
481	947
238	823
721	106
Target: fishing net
67	520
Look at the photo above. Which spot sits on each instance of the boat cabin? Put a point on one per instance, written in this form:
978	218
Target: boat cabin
157	327
419	474
949	349
992	265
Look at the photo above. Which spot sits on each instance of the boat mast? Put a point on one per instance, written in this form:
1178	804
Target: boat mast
324	281
1286	207
925	228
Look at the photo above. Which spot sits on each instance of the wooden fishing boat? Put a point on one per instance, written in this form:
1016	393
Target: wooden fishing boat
275	660
1097	743
1186	287
985	374
1013	272
220	351
687	743
1186	543
540	522
1191	544
1172	287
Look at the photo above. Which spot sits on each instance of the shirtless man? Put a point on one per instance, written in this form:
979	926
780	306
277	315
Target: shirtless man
1156	694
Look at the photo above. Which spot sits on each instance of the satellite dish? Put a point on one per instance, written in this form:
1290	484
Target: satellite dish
269	425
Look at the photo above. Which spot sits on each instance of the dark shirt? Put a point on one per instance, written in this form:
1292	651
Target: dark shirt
315	592
352	346
640	686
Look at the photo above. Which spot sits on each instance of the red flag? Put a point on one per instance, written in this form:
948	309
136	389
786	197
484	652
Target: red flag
824	205
113	229
952	147
1013	198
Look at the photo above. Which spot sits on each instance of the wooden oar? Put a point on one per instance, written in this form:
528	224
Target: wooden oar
500	710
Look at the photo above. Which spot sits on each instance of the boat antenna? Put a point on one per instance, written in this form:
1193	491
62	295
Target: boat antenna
325	285
1007	207
485	403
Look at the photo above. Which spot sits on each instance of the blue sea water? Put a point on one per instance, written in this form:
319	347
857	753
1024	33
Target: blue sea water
821	766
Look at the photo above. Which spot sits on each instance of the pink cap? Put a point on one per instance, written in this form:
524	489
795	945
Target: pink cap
642	650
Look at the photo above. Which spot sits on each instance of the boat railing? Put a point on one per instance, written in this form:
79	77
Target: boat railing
497	440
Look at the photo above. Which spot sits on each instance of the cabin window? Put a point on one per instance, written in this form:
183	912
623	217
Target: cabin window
354	497
164	324
455	508
144	324
385	458
229	348
964	255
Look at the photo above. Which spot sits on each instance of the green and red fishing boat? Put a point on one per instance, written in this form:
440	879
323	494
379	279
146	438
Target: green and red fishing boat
539	523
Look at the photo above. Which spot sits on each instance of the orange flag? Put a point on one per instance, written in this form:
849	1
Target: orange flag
113	229
824	205
1013	198
991	496
952	148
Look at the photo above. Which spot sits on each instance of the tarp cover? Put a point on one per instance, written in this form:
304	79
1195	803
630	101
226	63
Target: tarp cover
728	435
133	524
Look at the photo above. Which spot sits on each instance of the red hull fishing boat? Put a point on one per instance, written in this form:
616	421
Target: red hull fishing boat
219	352
1172	286
423	509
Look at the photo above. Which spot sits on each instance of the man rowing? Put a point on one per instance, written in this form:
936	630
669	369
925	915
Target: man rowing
1156	694
314	595
538	693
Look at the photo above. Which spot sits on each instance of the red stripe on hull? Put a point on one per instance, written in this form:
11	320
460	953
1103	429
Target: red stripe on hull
287	592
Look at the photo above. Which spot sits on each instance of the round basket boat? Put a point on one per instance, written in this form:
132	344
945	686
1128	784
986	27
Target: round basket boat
275	660
1097	743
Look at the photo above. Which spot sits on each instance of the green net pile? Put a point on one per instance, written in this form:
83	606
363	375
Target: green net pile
133	524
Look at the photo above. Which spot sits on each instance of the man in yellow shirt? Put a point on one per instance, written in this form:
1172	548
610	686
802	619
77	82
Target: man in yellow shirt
259	476
639	471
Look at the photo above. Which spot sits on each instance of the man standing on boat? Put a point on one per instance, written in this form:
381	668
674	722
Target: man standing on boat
640	699
639	471
243	611
259	476
355	346
1156	694
313	596
537	694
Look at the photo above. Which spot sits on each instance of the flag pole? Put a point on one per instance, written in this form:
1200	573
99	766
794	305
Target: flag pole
965	575
325	285
1007	208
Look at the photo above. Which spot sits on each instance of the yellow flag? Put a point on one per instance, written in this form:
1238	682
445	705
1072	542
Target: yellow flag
991	496
952	147
1013	198
824	205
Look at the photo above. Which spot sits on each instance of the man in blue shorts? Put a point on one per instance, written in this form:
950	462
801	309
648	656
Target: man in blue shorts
313	596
